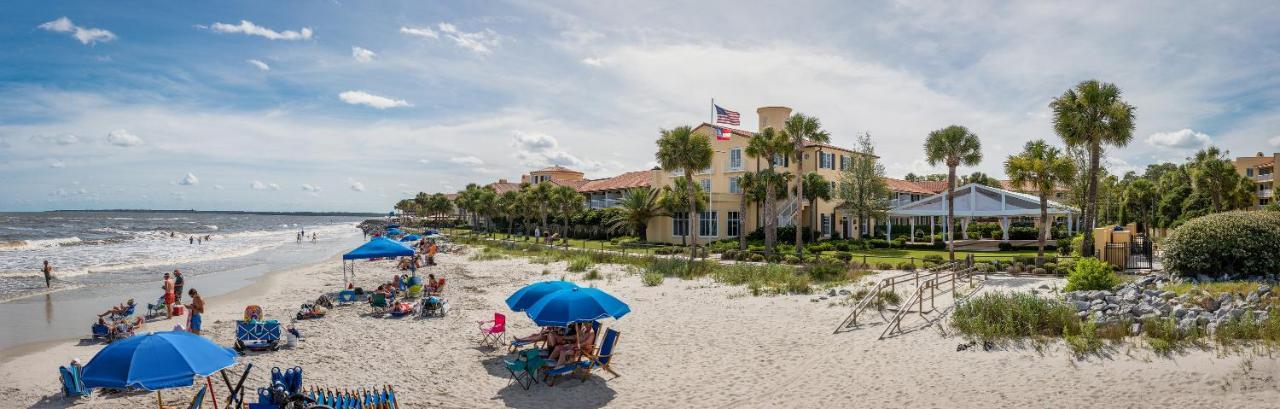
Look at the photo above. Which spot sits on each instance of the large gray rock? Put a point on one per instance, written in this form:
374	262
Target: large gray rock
1253	298
1264	289
1082	305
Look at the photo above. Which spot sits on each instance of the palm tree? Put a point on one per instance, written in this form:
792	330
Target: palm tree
769	144
801	129
815	187
682	149
1041	168
953	146
673	200
508	204
1214	175
637	206
540	196
485	203
748	185
1090	116
568	202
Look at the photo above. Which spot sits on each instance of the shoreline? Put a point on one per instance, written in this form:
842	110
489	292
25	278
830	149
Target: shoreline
262	284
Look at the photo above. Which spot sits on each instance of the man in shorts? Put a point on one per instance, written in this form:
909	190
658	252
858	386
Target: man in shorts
197	310
169	298
178	283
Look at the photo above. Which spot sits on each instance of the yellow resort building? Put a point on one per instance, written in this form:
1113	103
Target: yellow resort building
1261	170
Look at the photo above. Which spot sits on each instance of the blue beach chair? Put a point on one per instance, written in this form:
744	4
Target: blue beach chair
257	336
346	297
602	359
101	331
72	385
524	371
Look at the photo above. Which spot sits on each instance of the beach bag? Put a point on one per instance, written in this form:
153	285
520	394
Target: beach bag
325	301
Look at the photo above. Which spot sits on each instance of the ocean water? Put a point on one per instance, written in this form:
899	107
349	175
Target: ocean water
115	248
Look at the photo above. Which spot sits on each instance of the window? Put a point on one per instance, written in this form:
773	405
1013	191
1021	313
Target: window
827	160
781	160
680	224
735	159
705	171
844	162
707	224
826	224
834	192
735	224
734	186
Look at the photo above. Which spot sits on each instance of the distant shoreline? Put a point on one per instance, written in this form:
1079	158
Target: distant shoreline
269	213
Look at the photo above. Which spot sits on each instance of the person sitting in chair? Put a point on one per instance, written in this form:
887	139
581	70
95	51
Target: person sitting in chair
584	341
119	309
431	285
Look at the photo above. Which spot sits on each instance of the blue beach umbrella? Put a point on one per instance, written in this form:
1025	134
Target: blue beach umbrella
156	360
526	296
571	305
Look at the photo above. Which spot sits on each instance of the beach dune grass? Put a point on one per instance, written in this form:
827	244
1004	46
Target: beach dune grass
1000	316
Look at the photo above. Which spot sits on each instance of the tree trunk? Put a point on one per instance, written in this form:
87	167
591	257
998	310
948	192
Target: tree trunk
799	215
951	212
693	210
1090	204
742	216
1044	224
770	217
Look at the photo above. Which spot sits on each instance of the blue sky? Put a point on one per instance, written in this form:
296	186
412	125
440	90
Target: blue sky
344	105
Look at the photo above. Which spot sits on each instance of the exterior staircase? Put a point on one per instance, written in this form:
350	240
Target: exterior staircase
787	214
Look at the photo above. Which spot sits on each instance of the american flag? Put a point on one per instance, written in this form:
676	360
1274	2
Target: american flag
727	117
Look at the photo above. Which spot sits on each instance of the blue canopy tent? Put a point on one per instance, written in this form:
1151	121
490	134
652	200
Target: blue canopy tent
411	237
378	247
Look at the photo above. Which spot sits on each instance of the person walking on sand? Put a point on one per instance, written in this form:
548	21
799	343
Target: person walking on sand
197	310
168	296
48	274
178	283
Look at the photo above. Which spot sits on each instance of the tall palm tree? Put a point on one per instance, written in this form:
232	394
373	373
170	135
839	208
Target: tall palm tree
540	196
508	205
953	146
486	202
1092	115
1213	174
1041	168
748	185
674	200
801	129
815	187
636	207
769	144
682	149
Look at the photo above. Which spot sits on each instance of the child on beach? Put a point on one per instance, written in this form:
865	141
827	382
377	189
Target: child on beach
48	273
168	296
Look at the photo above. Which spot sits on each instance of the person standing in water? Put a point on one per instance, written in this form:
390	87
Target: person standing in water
191	239
313	237
48	274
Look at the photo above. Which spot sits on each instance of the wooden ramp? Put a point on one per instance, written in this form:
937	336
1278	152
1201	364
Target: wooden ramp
928	290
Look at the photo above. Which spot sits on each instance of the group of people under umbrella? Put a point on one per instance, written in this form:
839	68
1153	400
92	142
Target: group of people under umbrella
569	316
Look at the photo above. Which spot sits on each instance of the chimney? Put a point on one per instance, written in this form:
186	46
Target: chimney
502	181
773	116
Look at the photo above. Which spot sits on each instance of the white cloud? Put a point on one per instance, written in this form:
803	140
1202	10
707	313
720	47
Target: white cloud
535	149
310	187
423	161
362	55
219	187
467	160
593	61
258	185
1181	139
480	42
364	98
57	163
121	137
85	35
420	32
1274	141
533	141
189	180
257	63
248	28
357	186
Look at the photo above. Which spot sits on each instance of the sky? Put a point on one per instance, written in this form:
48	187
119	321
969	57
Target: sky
349	106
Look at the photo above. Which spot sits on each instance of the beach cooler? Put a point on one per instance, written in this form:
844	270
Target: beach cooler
257	336
178	310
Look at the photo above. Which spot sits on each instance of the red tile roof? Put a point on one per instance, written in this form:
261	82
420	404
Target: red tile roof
936	186
899	185
557	168
640	178
501	188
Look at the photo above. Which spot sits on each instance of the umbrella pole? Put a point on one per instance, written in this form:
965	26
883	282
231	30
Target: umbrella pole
159	400
212	394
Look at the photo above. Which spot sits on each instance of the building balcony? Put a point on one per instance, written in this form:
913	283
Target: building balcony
1263	178
1266	193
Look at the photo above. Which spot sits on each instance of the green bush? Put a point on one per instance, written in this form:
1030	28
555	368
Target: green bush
883	265
1039	271
743	256
791	259
934	258
757	257
1091	274
1050	266
820	247
998	315
928	265
906	266
652	279
984	267
844	256
1241	243
579	264
825	271
729	255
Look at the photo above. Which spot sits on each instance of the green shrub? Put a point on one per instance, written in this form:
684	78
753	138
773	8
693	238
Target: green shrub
825	271
1039	271
929	265
791	259
729	255
884	265
998	315
757	257
764	279
579	264
820	247
1091	274
1242	243
652	278
594	274
679	267
743	256
1048	266
844	256
906	266
984	267
487	254
1076	242
934	258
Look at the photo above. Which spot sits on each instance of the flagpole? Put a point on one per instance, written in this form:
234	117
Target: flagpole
713	111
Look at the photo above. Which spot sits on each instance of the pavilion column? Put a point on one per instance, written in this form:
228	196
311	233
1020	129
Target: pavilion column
913	229
1071	225
1004	228
888	228
931	229
964	228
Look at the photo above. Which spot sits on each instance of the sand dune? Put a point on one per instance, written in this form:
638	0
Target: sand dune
686	344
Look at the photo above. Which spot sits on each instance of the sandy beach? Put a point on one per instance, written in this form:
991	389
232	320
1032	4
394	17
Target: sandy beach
685	344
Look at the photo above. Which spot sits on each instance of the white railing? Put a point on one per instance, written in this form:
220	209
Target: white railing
1266	193
1263	177
786	215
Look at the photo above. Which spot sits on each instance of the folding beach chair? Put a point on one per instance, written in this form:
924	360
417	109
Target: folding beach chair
493	332
605	355
257	336
524	371
379	304
198	400
346	297
101	331
72	385
155	310
128	312
414	291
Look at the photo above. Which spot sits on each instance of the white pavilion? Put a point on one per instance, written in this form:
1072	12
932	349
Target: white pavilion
978	201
